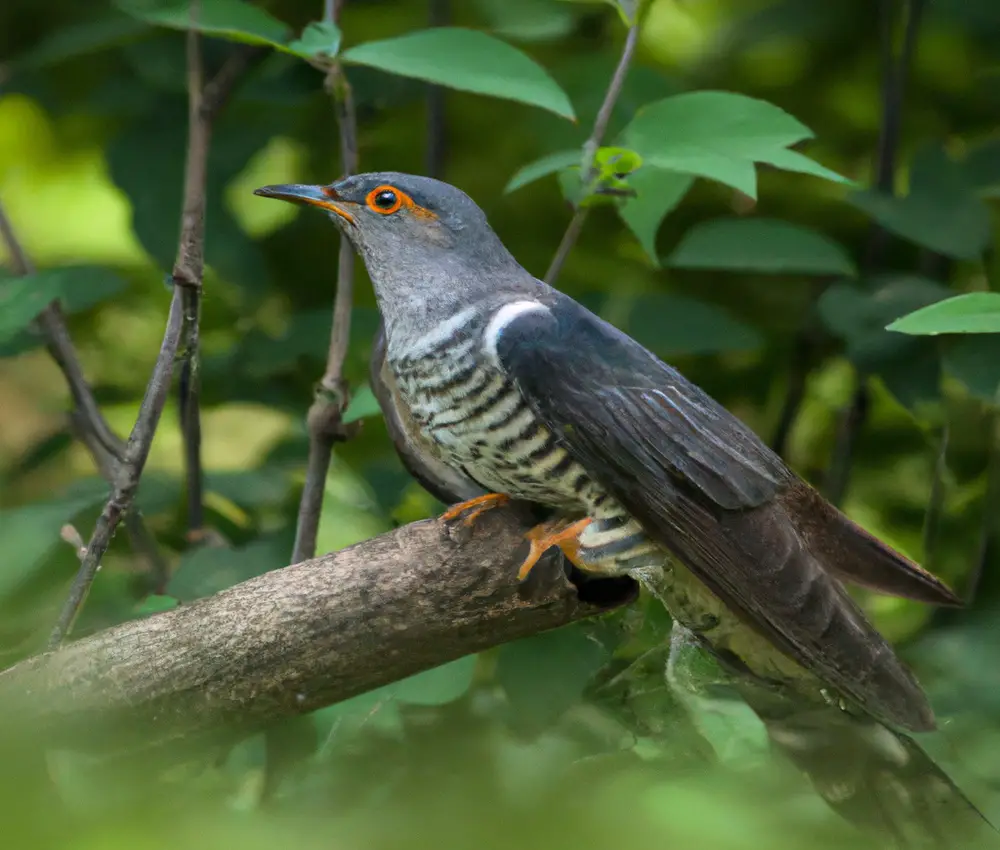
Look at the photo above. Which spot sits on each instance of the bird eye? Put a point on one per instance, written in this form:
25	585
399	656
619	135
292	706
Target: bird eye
384	200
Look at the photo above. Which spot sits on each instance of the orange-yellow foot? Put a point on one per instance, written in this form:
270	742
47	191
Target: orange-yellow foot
554	533
474	507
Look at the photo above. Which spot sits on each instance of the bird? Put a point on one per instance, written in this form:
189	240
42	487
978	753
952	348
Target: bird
497	386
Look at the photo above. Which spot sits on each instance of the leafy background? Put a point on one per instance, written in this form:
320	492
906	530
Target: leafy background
570	738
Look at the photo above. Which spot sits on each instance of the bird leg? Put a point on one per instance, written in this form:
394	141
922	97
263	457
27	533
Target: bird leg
474	507
553	533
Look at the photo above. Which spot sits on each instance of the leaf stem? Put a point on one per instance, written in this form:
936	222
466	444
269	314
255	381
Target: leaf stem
590	148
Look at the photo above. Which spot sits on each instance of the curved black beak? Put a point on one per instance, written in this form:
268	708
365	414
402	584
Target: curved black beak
315	196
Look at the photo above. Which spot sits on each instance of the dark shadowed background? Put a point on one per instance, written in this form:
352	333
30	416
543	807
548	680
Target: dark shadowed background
572	738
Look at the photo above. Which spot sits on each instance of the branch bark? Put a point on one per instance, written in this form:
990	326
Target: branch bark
298	638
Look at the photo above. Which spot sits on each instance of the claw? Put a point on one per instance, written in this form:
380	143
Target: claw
474	507
556	533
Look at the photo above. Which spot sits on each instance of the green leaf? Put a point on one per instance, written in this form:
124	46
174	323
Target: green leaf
70	42
658	192
713	134
30	533
233	20
763	245
789	160
982	167
439	685
973	313
320	40
910	368
209	569
942	211
363	405
859	315
467	60
155	604
670	325
545	674
613	162
548	164
22	299
974	359
527	20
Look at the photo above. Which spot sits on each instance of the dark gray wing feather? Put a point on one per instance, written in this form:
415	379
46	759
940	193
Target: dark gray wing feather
708	490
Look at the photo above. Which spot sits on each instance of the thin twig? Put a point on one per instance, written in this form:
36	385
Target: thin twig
324	420
128	473
590	148
437	125
894	72
105	447
187	278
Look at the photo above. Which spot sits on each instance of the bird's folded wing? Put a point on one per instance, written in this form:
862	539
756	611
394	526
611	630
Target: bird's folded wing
703	486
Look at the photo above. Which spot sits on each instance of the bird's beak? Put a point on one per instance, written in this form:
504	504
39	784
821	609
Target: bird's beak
315	196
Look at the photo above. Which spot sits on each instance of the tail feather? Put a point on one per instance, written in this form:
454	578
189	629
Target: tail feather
876	778
857	557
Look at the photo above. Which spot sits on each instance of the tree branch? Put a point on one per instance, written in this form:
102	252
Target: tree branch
180	333
325	418
590	148
106	448
298	638
894	72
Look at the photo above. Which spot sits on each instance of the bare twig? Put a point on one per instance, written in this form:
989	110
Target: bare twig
590	148
894	71
935	502
187	279
437	126
91	428
324	420
127	475
295	639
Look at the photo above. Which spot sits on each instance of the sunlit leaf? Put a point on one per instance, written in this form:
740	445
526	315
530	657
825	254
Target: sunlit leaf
468	60
319	40
363	405
657	193
714	134
789	160
760	245
155	604
972	313
548	164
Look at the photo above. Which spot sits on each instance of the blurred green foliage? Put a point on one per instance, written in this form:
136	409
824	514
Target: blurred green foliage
568	739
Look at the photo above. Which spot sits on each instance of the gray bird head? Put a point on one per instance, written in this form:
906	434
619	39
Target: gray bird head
428	247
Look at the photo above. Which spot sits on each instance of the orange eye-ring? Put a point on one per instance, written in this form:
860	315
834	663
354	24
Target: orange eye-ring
386	200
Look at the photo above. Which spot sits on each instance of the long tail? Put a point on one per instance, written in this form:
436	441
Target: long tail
876	778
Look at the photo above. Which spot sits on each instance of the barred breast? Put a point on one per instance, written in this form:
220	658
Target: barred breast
481	424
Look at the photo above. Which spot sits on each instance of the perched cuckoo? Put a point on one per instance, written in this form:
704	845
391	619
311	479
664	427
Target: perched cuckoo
499	386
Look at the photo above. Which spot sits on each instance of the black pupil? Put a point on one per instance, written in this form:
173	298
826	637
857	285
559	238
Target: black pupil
385	199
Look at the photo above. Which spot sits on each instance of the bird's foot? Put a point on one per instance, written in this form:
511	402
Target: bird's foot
471	509
554	533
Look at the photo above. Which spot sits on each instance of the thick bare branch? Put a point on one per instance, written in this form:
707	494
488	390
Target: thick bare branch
298	638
